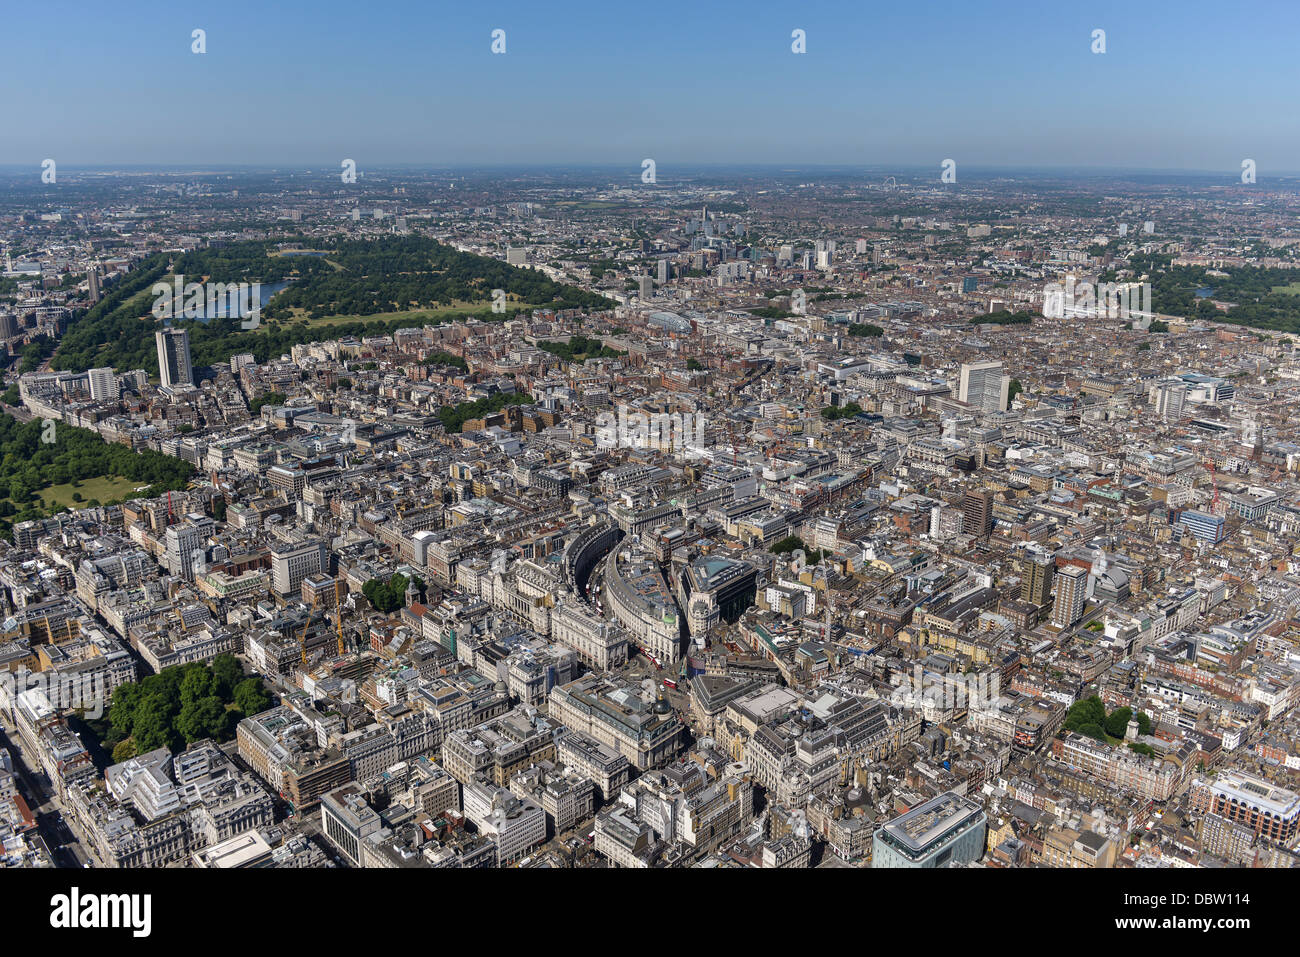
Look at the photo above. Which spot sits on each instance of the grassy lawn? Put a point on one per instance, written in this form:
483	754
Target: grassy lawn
278	252
412	315
104	487
1291	289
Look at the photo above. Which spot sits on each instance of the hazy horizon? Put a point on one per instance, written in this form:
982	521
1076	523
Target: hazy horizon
665	170
1004	85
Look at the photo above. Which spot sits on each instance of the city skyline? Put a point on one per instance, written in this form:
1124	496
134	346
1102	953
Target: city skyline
585	439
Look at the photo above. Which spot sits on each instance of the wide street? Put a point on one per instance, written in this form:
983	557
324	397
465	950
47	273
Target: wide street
56	830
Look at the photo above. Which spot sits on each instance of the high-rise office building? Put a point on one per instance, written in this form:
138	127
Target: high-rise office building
645	287
663	270
185	552
1040	573
135	380
103	385
977	514
984	386
291	563
1071	588
174	366
1169	399
945	831
347	820
92	279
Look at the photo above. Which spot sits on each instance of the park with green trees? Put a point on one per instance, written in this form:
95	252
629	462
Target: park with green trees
271	398
179	706
1088	717
386	596
441	358
771	312
580	349
454	417
28	465
833	413
1262	297
414	276
793	543
1003	317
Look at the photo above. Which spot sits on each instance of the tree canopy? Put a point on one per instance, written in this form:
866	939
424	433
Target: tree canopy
181	705
28	465
386	596
454	417
579	349
833	413
1087	716
1004	317
792	543
385	275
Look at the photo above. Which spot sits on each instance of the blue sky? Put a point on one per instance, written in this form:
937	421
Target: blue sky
1183	85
